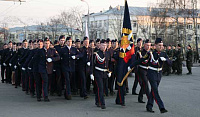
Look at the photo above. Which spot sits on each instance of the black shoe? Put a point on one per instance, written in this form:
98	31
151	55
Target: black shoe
141	101
51	94
123	105
189	73
134	93
120	104
68	97
150	110
38	99
59	94
27	93
23	89
163	110
32	95
15	86
86	97
98	105
103	107
112	93
46	99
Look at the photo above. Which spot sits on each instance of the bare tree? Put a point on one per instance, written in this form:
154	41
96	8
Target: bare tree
71	19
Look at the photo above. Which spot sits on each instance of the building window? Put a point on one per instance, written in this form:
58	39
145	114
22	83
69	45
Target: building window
100	23
50	37
36	36
198	26
105	23
134	24
104	35
189	26
29	36
43	36
134	37
12	36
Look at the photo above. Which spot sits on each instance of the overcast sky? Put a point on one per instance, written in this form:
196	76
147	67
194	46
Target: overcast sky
33	11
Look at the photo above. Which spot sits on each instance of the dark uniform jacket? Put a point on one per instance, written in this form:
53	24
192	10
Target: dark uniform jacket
102	60
23	54
42	55
28	59
8	56
189	56
85	56
67	63
154	60
57	64
3	55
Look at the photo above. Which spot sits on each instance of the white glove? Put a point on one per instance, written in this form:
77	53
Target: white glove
163	58
92	77
23	68
73	57
4	64
77	58
18	63
88	63
10	64
29	68
109	74
49	60
129	68
15	66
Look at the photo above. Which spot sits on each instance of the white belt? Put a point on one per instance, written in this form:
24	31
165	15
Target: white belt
100	69
144	67
155	69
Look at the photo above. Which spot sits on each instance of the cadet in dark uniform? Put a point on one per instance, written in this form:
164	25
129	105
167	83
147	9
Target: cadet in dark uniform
45	57
15	66
101	71
33	65
189	59
8	56
142	71
32	52
14	48
25	70
22	57
179	59
84	66
113	65
77	76
174	59
154	73
169	52
57	66
3	68
137	49
68	56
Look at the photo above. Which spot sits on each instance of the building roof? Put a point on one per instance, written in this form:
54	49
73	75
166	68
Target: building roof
38	28
120	10
145	11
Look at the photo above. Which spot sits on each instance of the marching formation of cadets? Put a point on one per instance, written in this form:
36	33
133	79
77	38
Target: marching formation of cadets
42	68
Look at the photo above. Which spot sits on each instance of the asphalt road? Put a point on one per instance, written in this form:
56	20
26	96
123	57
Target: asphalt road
180	94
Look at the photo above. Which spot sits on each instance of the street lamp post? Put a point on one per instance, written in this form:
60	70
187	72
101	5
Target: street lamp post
88	25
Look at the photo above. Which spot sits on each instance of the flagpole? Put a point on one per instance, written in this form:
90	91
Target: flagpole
88	26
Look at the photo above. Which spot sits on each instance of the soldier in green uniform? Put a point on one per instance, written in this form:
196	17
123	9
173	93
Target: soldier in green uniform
173	59
189	59
169	52
179	59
